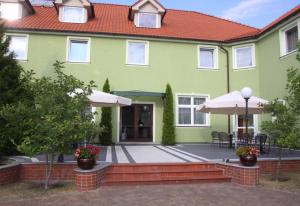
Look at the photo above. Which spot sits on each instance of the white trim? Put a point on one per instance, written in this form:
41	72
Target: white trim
26	43
215	57
234	49
146	52
192	95
70	38
118	123
282	37
153	120
148	13
72	7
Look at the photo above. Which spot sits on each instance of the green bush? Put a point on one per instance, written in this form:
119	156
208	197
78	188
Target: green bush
106	118
168	136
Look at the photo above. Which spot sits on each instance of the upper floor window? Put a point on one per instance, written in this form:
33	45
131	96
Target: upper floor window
208	57
9	11
137	52
187	115
148	20
289	39
78	50
244	57
18	45
73	14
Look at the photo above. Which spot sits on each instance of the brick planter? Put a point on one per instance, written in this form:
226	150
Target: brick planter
86	180
247	176
9	173
268	166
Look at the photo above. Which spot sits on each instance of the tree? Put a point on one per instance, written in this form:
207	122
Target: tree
285	126
106	118
57	118
13	81
168	136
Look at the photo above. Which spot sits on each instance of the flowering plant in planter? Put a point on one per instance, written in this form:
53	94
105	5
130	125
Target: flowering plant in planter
248	155
87	152
247	150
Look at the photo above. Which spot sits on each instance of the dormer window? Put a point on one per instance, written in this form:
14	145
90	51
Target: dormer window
147	14
73	14
148	20
10	11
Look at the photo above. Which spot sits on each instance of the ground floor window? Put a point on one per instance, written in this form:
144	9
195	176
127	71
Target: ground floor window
186	111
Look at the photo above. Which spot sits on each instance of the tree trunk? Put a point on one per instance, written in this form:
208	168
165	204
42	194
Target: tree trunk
48	169
278	164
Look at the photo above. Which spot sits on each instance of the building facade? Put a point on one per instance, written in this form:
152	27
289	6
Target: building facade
141	48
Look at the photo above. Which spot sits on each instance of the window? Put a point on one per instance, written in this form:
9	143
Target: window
9	11
148	20
186	111
18	45
137	52
73	14
208	57
289	38
244	57
78	50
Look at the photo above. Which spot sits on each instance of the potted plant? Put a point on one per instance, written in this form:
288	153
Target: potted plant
248	155
86	156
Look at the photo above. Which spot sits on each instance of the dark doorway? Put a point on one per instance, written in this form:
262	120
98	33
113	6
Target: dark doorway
137	123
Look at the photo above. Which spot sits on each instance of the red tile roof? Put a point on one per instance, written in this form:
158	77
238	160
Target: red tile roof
113	19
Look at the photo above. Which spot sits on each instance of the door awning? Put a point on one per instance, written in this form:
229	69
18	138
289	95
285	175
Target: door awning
139	94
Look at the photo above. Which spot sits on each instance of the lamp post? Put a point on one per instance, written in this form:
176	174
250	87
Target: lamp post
246	93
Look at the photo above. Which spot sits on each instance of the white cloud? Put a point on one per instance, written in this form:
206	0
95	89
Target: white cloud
245	9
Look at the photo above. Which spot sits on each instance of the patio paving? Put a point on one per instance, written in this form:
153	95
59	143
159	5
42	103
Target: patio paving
168	195
179	153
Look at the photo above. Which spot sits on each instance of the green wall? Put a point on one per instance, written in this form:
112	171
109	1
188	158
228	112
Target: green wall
169	62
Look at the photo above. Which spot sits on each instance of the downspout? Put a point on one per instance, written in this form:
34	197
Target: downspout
227	83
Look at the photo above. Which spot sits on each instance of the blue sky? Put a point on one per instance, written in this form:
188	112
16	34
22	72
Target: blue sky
257	13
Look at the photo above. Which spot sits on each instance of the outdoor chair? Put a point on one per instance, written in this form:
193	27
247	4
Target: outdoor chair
223	138
261	139
215	137
272	139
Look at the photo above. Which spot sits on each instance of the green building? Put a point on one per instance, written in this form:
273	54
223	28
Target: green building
141	48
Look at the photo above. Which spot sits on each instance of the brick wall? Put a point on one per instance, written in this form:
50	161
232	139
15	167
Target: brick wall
89	181
9	174
36	171
287	165
248	176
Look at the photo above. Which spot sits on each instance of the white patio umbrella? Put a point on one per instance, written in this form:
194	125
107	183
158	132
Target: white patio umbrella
103	99
233	103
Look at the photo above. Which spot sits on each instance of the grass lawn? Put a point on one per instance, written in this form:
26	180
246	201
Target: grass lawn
292	184
28	190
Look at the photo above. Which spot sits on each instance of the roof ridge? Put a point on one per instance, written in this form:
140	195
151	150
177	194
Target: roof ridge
220	18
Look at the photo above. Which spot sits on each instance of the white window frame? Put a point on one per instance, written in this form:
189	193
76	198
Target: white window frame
63	14
69	39
192	106
156	20
26	44
283	40
215	56
146	52
234	50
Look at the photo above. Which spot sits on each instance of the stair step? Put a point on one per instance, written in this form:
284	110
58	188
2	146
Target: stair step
170	180
204	170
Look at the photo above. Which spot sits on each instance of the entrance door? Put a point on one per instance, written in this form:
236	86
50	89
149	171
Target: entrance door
241	125
137	123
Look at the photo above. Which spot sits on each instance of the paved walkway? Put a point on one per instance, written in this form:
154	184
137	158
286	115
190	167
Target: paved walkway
179	153
167	195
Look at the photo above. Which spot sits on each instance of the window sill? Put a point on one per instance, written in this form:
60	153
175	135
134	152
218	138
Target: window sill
70	62
288	54
193	126
138	65
244	68
207	69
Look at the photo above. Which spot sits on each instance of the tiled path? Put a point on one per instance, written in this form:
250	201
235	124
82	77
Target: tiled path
179	153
